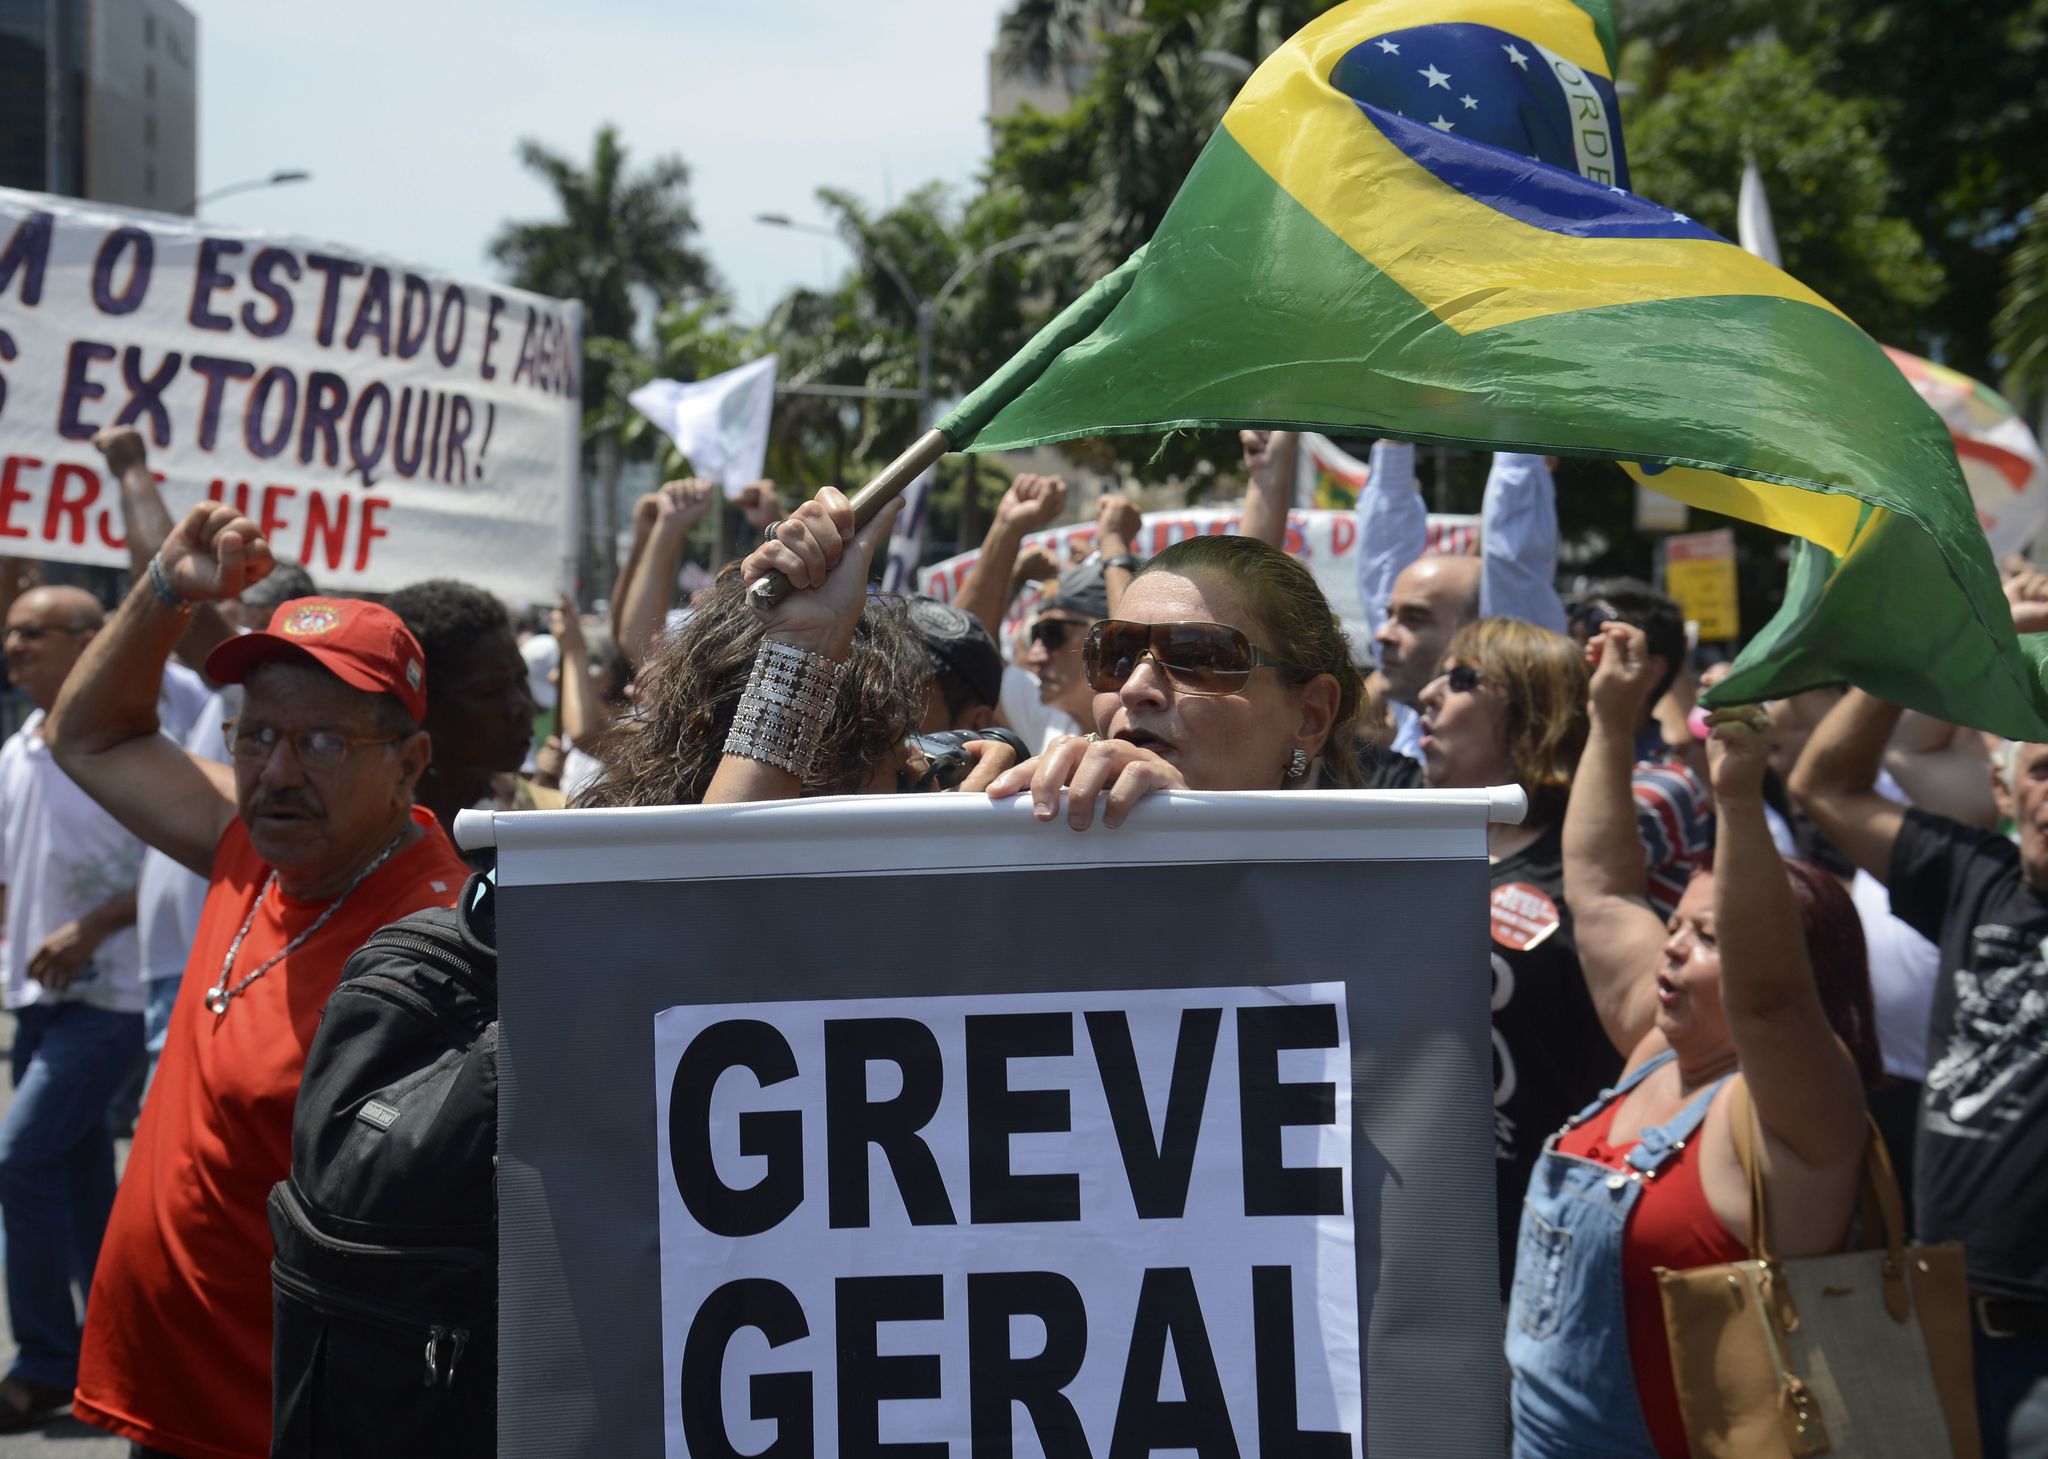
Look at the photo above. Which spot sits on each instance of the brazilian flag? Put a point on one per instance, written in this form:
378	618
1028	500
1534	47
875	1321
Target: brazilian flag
1415	221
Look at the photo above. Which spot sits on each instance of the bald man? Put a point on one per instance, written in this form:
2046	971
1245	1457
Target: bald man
1433	598
67	885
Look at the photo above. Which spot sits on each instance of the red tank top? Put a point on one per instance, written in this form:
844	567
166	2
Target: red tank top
1671	1226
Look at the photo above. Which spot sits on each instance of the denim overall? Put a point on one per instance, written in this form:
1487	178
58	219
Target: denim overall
1574	1383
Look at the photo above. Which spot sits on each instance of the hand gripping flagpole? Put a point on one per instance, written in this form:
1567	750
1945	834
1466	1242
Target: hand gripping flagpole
958	431
888	484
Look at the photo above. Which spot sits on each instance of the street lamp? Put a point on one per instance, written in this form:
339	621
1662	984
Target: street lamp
276	179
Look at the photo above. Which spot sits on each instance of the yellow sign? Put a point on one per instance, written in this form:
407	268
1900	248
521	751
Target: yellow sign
1699	571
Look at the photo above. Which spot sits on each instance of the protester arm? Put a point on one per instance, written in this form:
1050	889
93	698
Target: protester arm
1835	781
103	730
1117	523
1518	542
147	523
1269	458
680	505
584	714
1805	1085
1393	526
65	952
1606	876
645	510
1031	502
1944	769
818	549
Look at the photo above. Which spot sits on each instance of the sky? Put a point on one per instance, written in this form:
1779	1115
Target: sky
408	112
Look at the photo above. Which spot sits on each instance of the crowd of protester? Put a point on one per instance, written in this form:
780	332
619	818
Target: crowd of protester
1811	909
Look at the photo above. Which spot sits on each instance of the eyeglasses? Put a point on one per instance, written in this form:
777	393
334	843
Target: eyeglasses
1051	633
37	632
1463	678
1197	658
315	749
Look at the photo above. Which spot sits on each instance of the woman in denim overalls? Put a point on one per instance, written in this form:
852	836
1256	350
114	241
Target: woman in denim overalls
1647	1175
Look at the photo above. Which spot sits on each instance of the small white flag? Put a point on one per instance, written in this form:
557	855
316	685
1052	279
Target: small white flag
1753	217
721	424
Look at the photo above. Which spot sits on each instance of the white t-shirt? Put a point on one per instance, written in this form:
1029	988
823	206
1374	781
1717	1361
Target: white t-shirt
167	896
1036	723
1903	964
183	702
60	857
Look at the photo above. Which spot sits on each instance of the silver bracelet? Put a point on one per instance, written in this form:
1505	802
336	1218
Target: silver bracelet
788	702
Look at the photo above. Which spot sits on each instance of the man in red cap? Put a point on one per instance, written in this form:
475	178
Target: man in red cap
310	841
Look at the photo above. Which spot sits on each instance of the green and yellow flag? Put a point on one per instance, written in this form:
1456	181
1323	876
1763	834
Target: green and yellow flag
1414	221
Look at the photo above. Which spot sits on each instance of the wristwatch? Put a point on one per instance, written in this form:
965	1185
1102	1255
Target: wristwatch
1125	561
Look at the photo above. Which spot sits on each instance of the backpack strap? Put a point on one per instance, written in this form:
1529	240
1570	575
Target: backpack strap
476	912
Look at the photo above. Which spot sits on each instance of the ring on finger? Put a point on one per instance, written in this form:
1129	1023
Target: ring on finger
768	532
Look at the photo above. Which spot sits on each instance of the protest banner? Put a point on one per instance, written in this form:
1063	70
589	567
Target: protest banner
1325	541
828	1127
380	423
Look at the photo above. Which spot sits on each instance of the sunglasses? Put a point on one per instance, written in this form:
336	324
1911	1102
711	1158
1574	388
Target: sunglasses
1587	618
1197	658
1463	678
1052	632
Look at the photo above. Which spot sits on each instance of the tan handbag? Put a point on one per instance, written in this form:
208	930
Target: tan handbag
1862	1355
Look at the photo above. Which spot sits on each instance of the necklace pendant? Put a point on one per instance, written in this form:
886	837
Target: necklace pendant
217	1000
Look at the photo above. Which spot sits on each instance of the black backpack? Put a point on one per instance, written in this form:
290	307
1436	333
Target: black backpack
385	1285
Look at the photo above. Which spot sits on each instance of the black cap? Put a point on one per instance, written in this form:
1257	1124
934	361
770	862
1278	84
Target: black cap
1081	589
960	645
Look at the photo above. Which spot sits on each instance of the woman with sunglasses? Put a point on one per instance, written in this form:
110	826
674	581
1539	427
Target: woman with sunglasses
1509	708
1224	669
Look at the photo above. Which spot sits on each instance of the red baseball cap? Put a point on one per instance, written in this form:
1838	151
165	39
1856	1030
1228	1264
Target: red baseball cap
365	645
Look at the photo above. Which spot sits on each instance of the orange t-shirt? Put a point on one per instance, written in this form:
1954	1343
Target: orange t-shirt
177	1333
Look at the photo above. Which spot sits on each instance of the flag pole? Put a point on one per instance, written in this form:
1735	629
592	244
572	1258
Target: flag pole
887	484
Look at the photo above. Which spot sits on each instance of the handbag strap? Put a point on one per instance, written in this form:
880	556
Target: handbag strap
1884	1221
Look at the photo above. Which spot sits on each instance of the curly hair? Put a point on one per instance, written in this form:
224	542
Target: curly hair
668	750
1295	619
1542	679
450	619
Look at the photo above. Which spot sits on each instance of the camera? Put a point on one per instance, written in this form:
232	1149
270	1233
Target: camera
947	762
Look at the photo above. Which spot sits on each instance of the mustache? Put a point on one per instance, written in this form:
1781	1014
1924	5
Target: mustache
283	800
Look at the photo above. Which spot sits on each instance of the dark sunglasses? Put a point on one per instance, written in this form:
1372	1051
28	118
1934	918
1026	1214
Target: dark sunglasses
1052	633
1463	678
1587	617
1197	658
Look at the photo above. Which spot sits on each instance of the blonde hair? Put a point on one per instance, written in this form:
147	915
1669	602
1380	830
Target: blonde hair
1542	679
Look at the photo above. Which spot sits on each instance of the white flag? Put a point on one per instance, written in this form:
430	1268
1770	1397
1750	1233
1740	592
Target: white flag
721	424
1753	217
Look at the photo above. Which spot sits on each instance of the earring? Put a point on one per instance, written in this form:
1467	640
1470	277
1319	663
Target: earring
1297	763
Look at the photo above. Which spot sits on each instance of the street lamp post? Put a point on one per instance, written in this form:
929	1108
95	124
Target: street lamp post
279	178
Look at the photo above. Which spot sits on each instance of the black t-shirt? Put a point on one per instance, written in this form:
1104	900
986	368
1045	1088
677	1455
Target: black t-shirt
1550	1054
1982	1160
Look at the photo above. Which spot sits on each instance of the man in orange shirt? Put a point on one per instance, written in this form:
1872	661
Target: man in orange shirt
310	841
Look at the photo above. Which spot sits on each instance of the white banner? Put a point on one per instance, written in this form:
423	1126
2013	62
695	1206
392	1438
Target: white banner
1145	1148
381	423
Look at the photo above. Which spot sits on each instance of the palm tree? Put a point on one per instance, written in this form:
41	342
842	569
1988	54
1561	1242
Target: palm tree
620	234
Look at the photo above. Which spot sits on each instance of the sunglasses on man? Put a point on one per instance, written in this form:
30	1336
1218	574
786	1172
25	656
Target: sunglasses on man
1053	634
1197	658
